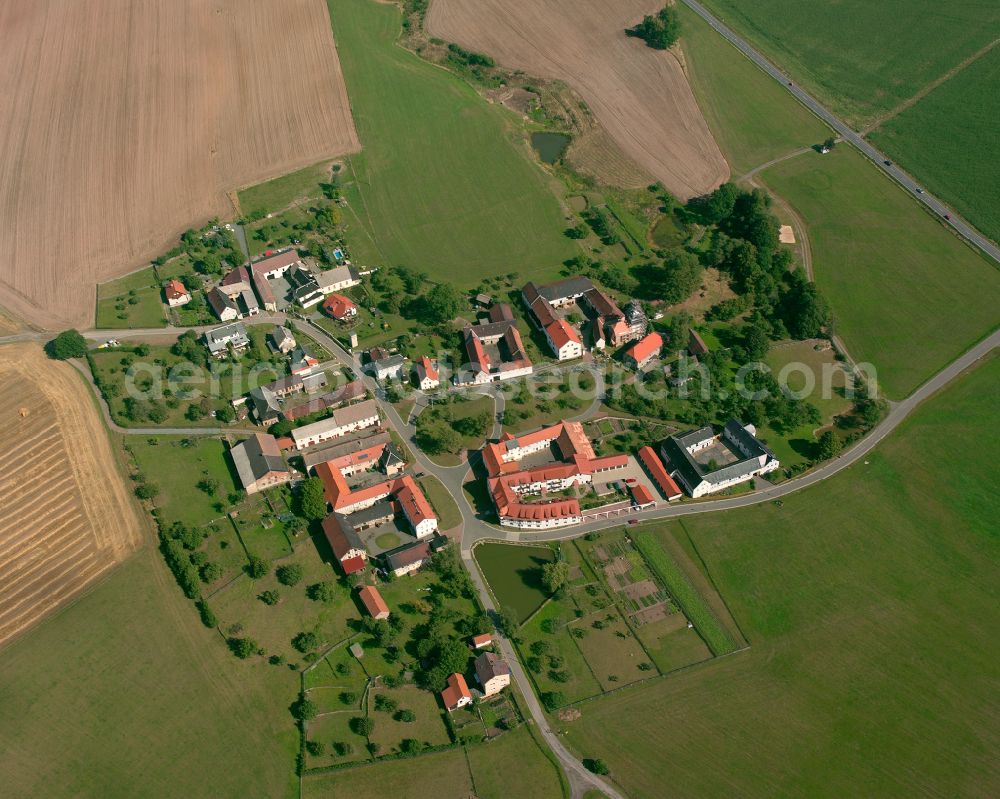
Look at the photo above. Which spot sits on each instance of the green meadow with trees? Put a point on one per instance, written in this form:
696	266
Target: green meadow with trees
444	183
869	601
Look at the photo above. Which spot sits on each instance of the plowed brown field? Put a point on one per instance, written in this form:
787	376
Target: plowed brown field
65	514
641	96
124	122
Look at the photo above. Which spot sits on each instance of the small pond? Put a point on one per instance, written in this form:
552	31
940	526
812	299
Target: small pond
550	146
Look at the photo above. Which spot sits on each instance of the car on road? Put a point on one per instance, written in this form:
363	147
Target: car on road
631	481
947	216
887	163
920	191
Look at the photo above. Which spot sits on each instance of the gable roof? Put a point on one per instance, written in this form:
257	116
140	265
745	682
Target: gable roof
456	690
427	367
372	600
490	665
561	333
278	260
648	346
341	535
412	500
257	457
338	306
175	290
407	555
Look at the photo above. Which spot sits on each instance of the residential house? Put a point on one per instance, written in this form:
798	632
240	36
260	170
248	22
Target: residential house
176	294
482	640
337	279
407	558
264	405
271	266
373	602
301	362
223	307
640	354
339	307
341	422
236	286
303	286
391	461
415	507
388	368
495	352
428	377
282	340
492	673
259	463
221	339
564	340
456	694
345	543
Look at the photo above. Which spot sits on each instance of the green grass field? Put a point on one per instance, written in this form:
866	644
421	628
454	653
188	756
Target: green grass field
895	277
176	470
132	301
864	58
870	604
514	574
752	118
276	195
442	184
125	694
946	138
512	766
444	504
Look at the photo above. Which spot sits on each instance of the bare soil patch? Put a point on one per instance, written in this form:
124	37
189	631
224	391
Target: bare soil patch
126	123
65	512
639	95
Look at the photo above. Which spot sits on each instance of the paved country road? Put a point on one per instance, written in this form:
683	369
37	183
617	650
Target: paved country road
475	530
847	133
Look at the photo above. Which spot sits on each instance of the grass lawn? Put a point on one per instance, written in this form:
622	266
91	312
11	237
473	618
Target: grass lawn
274	626
752	118
443	503
534	774
132	301
428	727
176	469
514	574
444	774
512	766
443	183
612	652
276	195
113	694
463	408
331	729
580	681
943	138
864	58
893	275
870	604
162	371
798	364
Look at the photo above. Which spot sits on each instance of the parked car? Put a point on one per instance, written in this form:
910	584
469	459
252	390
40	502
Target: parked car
633	521
947	216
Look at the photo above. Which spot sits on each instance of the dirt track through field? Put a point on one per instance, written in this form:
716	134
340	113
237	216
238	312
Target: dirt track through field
126	121
641	96
65	514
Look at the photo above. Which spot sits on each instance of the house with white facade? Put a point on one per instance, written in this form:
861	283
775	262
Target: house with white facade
428	377
341	422
492	673
221	340
741	454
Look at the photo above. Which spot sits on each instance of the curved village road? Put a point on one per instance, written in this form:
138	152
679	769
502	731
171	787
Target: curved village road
475	530
847	133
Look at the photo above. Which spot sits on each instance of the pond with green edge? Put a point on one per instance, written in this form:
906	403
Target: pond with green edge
514	574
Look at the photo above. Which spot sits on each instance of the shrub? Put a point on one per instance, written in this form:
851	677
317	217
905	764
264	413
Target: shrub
385	703
289	574
242	647
322	592
206	614
256	567
315	748
362	726
596	765
305	641
407	716
304	709
270	597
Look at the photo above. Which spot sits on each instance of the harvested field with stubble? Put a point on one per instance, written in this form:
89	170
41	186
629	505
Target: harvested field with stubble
65	514
639	95
124	124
